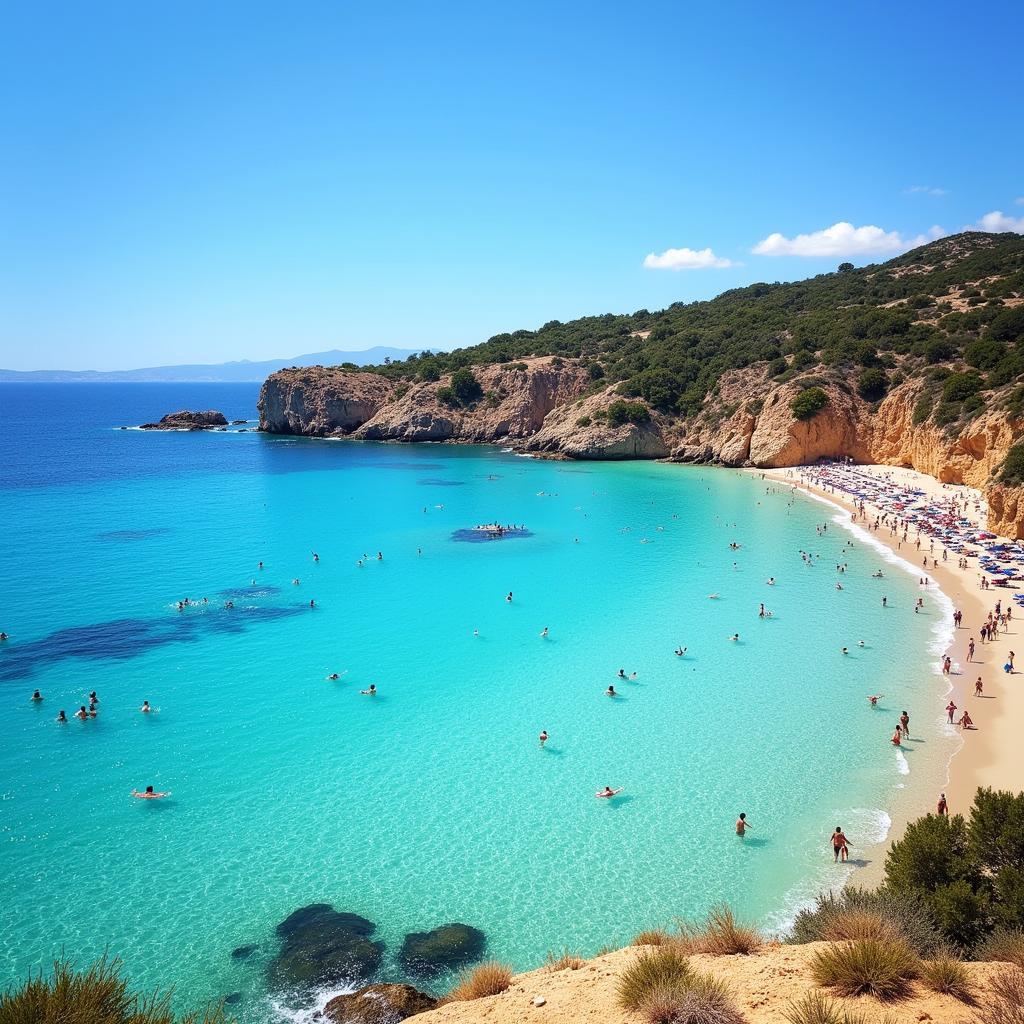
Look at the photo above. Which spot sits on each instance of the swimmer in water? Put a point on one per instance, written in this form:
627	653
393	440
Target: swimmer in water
622	673
608	792
261	565
145	709
897	736
680	651
312	603
61	717
82	713
295	582
712	597
610	692
508	597
149	794
36	695
874	698
846	650
742	825
93	699
316	557
4	636
371	692
334	675
734	637
544	631
860	643
771	581
543	737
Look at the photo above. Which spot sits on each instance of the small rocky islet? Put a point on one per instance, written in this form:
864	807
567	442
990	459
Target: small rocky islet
185	419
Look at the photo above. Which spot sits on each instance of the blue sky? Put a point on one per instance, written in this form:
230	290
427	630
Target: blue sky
191	182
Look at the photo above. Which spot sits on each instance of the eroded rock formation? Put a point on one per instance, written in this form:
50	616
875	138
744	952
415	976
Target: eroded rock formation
187	420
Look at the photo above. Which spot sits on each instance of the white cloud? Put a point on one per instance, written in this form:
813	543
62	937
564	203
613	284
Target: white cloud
685	259
998	221
1019	200
843	239
928	190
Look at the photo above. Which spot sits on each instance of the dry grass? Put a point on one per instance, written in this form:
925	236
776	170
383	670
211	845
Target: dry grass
654	972
1005	945
867	967
948	975
699	999
817	1008
652	937
720	935
489	979
854	925
97	996
564	961
1005	999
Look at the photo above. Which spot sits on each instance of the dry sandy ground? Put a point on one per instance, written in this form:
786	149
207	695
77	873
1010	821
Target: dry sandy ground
763	986
992	754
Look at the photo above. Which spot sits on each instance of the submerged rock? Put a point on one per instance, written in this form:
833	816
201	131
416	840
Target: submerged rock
445	948
187	420
233	998
243	952
323	946
378	1004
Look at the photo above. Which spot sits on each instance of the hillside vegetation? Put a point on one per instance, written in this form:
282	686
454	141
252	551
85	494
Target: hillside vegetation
950	312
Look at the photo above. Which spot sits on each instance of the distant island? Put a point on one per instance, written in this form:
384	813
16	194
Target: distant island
239	371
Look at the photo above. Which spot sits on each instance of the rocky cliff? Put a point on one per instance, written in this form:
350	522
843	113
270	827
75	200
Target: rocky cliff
552	407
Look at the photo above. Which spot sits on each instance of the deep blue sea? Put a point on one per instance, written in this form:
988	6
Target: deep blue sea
433	801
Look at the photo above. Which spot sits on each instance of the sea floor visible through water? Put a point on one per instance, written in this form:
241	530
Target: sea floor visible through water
433	801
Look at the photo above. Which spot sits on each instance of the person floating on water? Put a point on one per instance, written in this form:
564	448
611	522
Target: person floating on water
874	698
145	709
149	794
608	792
544	632
840	845
509	597
333	676
371	692
680	651
742	825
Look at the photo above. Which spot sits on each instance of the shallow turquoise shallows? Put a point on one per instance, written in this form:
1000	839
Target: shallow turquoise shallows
433	801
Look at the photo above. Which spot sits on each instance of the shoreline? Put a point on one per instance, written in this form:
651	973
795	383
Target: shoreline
985	755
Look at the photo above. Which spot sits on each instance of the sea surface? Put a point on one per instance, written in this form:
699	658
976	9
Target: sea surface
433	801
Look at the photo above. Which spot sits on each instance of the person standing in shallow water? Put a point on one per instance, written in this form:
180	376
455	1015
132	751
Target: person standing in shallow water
742	825
840	845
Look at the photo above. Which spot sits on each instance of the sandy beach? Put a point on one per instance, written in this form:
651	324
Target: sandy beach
988	754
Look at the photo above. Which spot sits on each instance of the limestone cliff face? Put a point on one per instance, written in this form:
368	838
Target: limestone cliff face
319	401
514	405
549	407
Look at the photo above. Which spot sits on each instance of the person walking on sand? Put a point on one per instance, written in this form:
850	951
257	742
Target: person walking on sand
840	845
970	649
978	687
942	809
950	712
742	825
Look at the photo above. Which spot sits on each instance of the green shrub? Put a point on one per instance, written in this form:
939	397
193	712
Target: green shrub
922	409
808	403
584	421
1012	472
621	411
872	384
98	995
947	412
816	1008
959	386
867	967
777	366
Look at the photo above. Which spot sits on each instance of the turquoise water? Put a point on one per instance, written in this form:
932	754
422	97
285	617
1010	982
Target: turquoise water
431	802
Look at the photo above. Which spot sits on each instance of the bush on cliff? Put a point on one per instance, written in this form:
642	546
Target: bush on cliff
872	384
98	995
808	403
1013	465
620	412
463	390
967	873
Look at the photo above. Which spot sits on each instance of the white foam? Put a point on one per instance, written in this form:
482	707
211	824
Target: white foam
902	765
311	1009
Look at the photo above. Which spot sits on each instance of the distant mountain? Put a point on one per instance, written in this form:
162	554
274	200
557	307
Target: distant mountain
239	371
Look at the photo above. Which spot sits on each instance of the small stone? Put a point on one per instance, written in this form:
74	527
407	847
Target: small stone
539	1000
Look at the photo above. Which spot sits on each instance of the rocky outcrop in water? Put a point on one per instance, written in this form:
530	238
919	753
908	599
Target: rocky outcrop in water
378	1004
321	946
319	401
446	948
187	420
